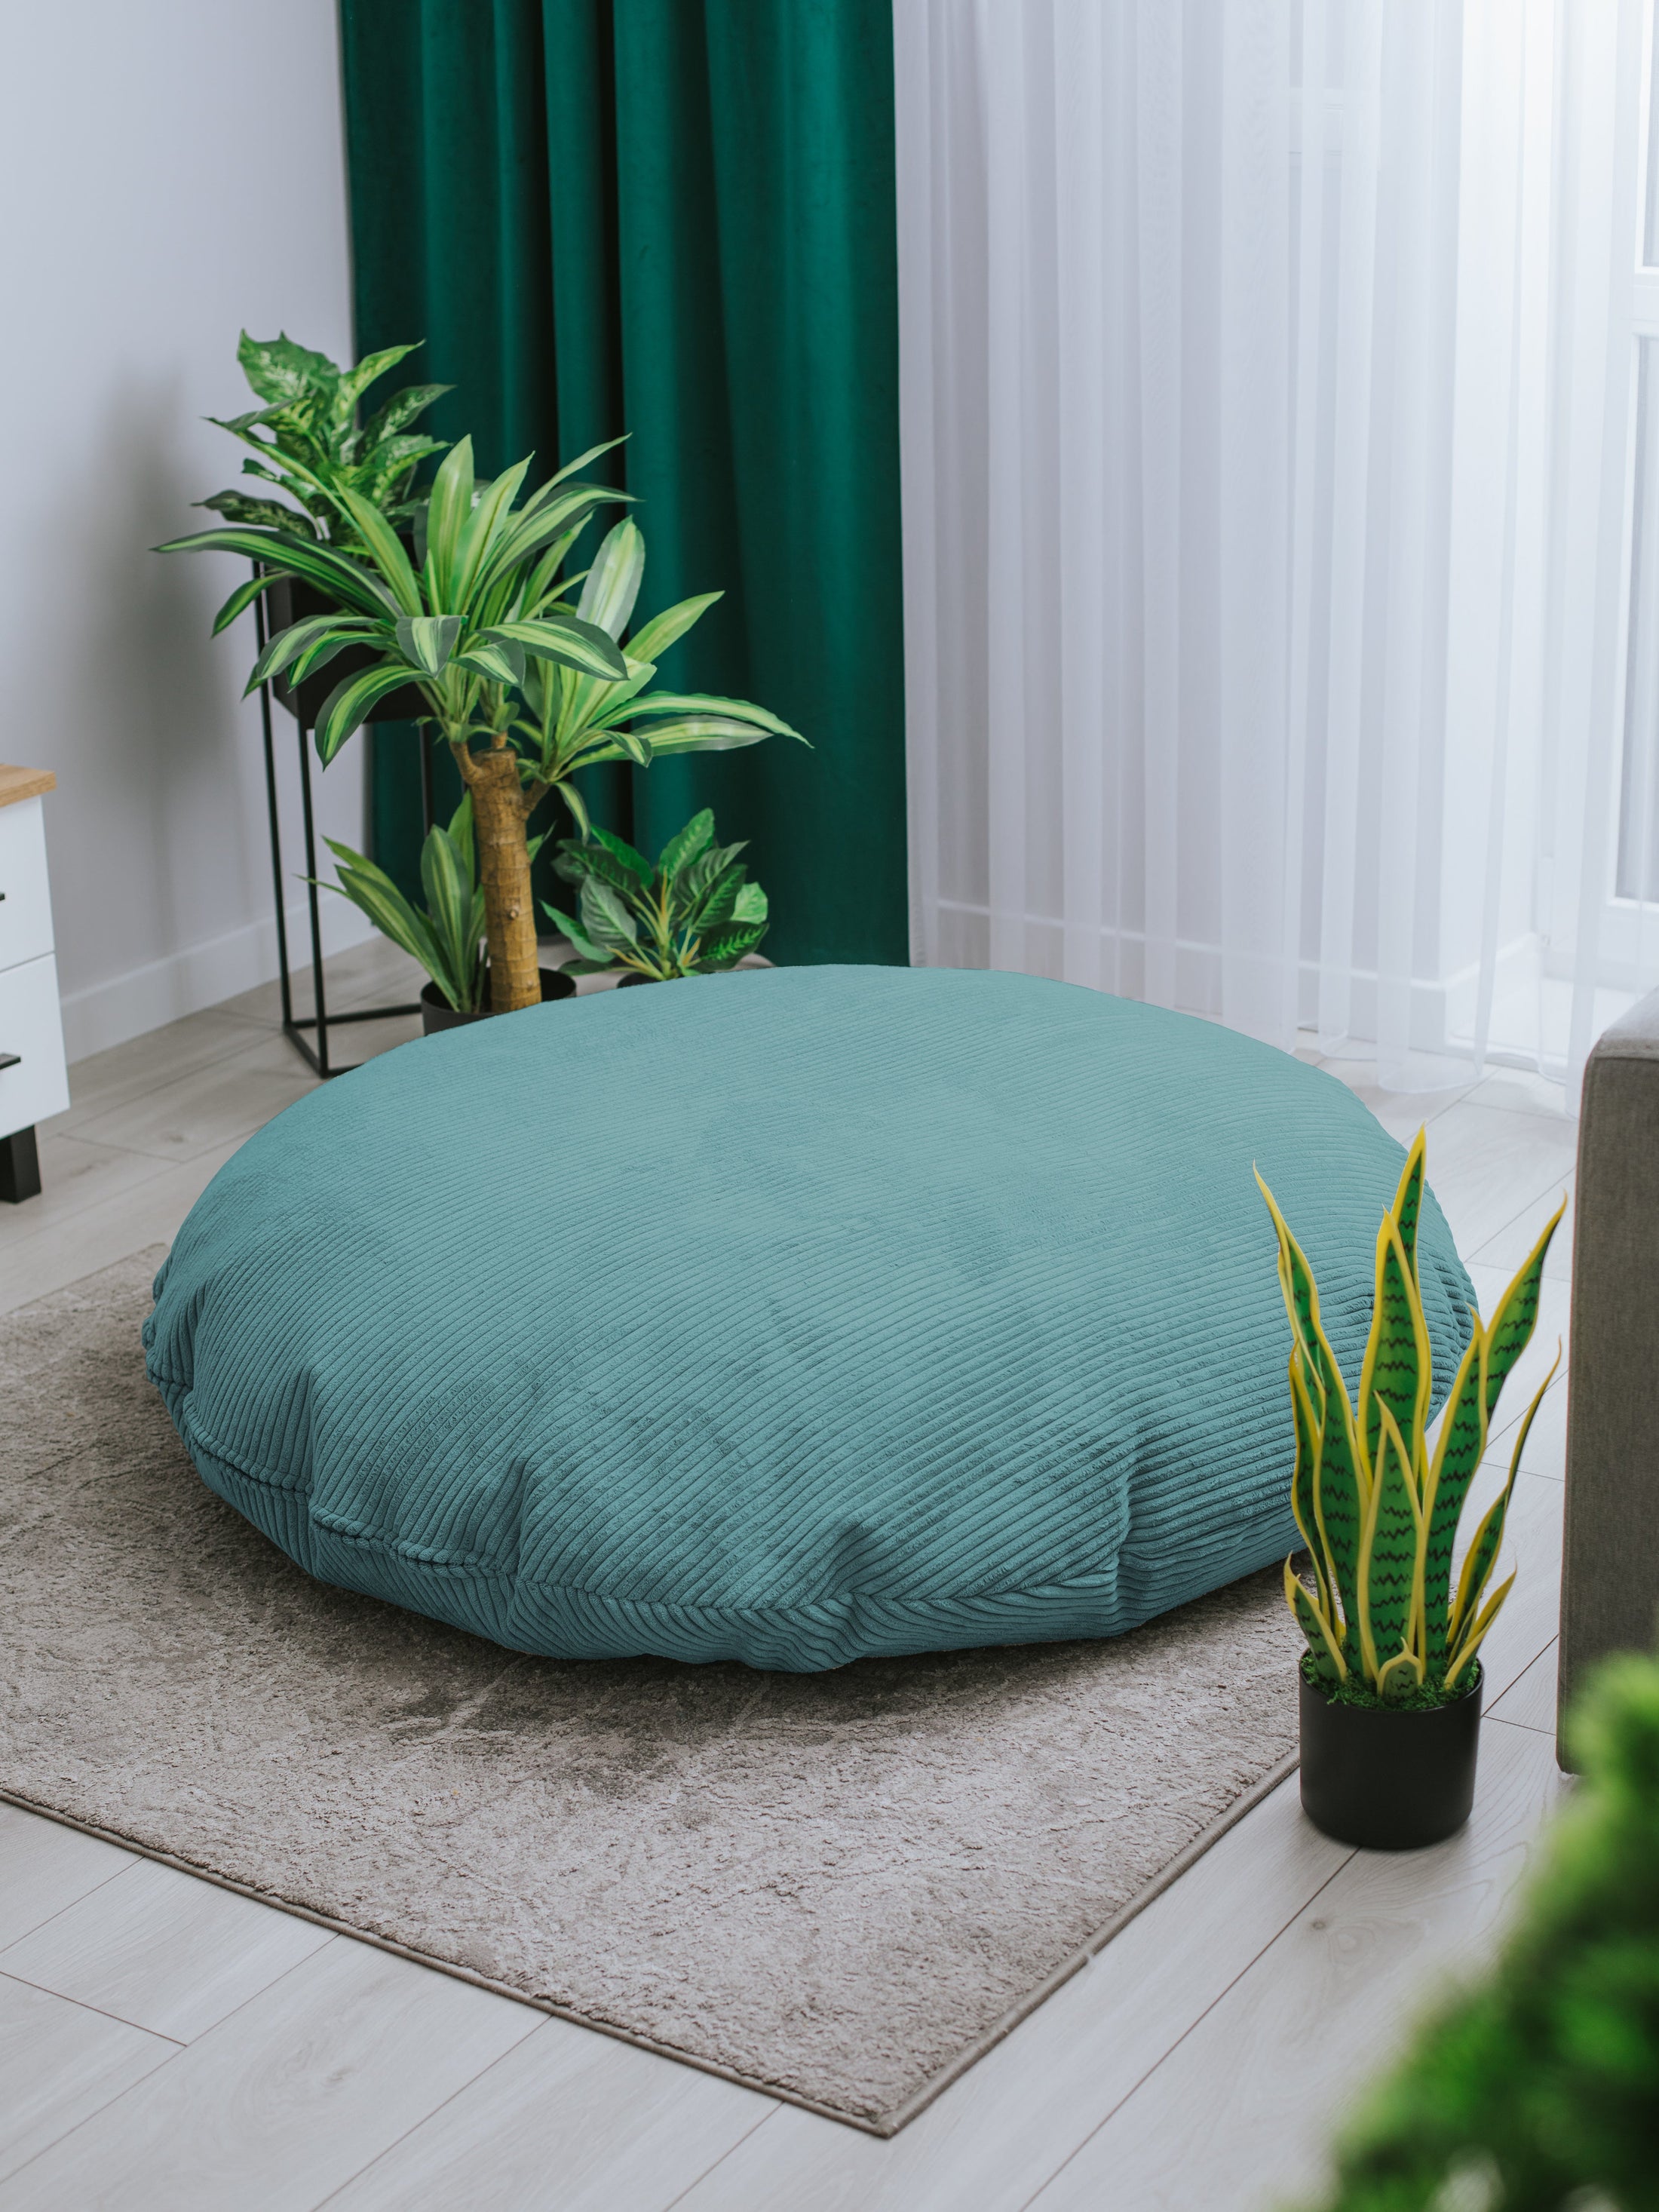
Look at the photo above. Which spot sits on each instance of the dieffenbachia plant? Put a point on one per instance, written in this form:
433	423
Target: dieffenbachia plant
693	912
310	444
475	626
1378	1509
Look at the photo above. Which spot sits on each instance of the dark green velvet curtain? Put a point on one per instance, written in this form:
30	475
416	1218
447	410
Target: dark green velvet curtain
674	217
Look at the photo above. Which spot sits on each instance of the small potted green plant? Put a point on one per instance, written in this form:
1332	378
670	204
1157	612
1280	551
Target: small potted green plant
447	936
693	912
524	689
1391	1678
310	446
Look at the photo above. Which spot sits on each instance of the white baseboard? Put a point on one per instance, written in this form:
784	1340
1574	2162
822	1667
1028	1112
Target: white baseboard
103	1014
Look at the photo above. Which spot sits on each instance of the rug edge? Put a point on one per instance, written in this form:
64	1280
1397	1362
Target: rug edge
885	2125
900	2116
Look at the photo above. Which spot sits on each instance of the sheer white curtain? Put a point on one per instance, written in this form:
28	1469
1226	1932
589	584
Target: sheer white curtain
1269	404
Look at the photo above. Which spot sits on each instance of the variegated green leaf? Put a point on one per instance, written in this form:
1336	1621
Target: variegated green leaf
1457	1453
498	660
1469	1644
729	941
653	639
385	547
481	529
606	919
1304	1486
1516	1313
686	844
567	640
569	928
1388	1551
699	733
1396	1372
1408	1199
347	706
242	599
287	645
613	581
1328	1663
1399	1676
343	579
446	513
426	642
707	705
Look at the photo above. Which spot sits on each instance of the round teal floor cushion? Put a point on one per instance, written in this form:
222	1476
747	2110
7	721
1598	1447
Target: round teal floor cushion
787	1316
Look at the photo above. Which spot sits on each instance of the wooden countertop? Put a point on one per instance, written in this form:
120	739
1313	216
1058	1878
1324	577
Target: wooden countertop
24	783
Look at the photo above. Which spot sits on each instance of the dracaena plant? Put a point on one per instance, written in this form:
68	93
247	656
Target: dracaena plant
486	598
311	444
573	720
1377	1507
523	688
692	914
448	935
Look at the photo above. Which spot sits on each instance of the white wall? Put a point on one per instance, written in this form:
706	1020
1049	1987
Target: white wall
170	172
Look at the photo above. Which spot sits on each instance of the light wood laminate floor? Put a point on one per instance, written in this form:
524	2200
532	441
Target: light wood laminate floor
165	2044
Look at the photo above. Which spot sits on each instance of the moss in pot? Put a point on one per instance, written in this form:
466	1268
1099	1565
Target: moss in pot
1391	1679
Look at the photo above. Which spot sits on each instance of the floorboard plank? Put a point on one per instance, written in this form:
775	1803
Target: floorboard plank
994	2135
274	2109
44	1868
1529	1701
569	2121
1239	2114
163	1950
60	2064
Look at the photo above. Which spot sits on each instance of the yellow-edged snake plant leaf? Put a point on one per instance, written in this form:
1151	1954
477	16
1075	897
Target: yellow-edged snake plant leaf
1389	1550
1304	1483
1408	1198
1328	1663
1511	1329
1396	1370
1463	1442
1469	1644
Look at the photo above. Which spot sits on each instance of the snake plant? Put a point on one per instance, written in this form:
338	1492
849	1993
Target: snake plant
311	444
1377	1507
692	914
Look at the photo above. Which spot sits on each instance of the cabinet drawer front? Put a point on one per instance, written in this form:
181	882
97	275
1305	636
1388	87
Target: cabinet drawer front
32	1027
25	901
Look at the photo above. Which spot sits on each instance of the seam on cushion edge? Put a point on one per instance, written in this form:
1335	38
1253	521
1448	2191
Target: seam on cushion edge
414	1556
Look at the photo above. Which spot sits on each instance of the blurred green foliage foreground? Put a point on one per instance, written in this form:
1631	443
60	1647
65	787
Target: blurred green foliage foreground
1539	2090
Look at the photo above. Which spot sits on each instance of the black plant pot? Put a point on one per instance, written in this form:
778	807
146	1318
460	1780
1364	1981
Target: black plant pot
634	976
1388	1781
437	1013
288	601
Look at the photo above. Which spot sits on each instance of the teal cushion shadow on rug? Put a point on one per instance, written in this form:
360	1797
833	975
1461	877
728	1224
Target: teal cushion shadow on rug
787	1316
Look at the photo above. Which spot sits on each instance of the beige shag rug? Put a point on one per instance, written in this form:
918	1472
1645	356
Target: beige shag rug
837	1888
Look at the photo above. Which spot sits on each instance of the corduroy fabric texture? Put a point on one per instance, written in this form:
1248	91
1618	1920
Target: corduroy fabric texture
789	1317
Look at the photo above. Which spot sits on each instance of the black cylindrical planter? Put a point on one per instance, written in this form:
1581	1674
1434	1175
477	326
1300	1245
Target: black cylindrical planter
437	1013
1388	1781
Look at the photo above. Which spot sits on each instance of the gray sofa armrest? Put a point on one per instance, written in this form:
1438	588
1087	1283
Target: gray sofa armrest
1610	1563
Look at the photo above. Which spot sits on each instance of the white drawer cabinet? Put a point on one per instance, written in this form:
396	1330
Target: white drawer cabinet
33	1082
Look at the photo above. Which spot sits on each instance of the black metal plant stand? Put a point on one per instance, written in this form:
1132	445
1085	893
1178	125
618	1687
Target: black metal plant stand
295	1025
